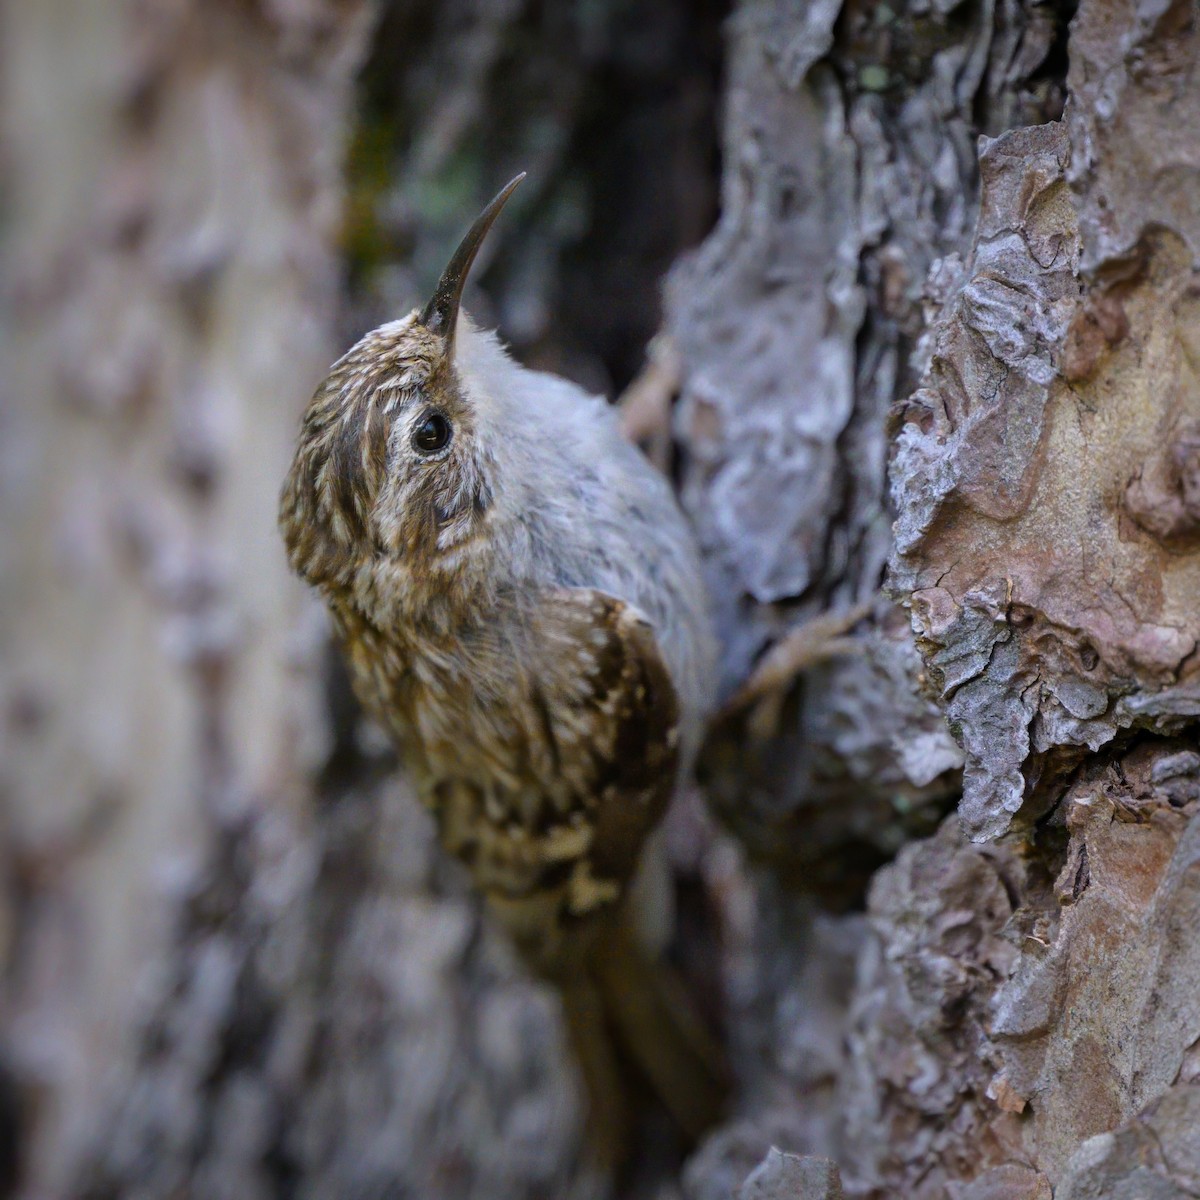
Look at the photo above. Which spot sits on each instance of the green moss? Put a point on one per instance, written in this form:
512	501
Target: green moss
370	160
873	78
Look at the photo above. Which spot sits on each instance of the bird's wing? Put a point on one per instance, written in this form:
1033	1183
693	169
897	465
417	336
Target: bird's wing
601	740
612	717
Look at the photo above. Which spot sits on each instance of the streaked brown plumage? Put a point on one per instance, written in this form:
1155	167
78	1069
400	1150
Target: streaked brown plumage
520	605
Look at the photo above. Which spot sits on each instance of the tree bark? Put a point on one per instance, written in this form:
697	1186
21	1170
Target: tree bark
940	357
1022	990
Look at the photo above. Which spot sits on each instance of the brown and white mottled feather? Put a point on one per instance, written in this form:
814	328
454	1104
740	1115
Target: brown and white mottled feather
547	791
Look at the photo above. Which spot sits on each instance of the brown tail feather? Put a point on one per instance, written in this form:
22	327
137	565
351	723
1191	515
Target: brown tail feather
628	1008
609	1118
657	1025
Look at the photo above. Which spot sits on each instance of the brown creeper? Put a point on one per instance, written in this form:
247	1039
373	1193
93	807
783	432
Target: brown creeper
520	603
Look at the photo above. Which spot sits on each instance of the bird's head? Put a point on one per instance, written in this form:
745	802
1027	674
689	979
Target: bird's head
393	477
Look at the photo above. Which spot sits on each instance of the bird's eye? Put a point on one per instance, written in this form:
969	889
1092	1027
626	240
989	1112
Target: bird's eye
432	434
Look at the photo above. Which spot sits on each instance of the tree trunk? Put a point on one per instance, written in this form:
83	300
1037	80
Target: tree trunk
940	357
1014	330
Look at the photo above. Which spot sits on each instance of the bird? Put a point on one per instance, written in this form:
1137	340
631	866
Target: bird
520	603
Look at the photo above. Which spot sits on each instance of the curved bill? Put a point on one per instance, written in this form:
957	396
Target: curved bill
441	313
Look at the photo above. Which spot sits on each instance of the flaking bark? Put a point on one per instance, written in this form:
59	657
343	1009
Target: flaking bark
1024	310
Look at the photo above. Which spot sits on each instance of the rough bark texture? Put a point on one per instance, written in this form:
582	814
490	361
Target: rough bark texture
944	340
1007	1005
